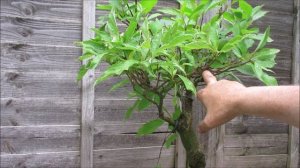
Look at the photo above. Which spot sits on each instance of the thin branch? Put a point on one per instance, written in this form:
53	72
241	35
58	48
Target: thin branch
158	77
159	156
161	112
129	10
231	67
165	109
135	6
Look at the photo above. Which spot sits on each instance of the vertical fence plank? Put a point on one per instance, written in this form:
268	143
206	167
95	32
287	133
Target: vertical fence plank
215	152
87	116
293	158
180	157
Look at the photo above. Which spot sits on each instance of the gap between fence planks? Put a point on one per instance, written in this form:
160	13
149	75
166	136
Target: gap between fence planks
293	155
87	118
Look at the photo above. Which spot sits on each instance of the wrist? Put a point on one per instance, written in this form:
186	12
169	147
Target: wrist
241	100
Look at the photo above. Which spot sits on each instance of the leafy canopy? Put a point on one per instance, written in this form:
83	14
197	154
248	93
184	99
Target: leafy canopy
166	50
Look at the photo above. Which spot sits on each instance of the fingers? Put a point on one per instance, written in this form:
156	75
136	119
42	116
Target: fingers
209	122
200	94
209	78
203	127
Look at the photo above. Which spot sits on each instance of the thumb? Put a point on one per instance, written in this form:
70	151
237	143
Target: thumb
209	78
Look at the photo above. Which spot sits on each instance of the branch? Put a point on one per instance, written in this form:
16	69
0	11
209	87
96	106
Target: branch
217	72
129	9
161	112
158	77
159	156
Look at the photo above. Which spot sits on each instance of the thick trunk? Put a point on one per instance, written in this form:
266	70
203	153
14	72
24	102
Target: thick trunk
195	157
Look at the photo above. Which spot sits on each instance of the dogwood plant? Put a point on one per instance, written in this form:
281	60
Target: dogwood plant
163	53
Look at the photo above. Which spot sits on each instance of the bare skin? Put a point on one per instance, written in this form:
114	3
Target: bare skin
225	100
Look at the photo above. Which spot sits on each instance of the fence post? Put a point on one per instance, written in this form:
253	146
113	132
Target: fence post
87	95
293	155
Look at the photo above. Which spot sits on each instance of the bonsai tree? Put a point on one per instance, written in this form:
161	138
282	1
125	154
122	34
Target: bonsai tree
163	54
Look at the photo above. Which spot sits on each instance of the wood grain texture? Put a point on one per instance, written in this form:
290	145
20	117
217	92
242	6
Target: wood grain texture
255	144
40	111
16	83
87	92
32	31
19	84
37	139
111	158
67	111
59	138
255	125
278	6
255	140
255	161
64	10
293	153
180	154
30	58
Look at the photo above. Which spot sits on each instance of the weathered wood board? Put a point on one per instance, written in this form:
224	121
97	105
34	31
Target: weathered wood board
255	161
41	103
143	157
59	138
30	58
64	10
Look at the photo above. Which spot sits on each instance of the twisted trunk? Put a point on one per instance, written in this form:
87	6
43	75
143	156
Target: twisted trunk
195	157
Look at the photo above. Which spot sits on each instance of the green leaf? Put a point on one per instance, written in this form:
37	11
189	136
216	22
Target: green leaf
264	40
197	12
143	104
150	127
170	140
82	71
197	45
247	8
176	113
257	13
95	61
92	64
93	46
260	37
265	78
247	69
131	109
269	80
118	85
116	69
104	7
130	30
153	16
213	36
148	5
170	11
179	67
112	26
265	53
155	26
266	57
229	17
85	56
232	43
188	84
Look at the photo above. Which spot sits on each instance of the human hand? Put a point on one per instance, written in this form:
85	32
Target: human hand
220	99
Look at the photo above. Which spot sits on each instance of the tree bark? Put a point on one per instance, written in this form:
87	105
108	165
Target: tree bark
195	156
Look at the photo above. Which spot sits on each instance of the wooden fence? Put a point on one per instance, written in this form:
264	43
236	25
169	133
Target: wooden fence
49	120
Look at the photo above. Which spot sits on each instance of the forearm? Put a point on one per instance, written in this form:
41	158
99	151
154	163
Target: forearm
276	102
